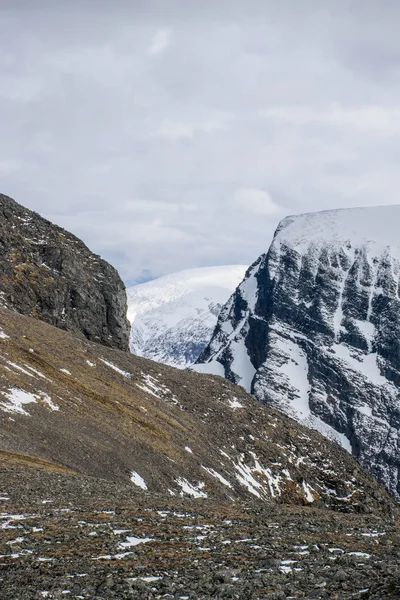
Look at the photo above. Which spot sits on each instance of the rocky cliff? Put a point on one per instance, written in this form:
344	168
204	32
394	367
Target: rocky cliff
48	273
314	330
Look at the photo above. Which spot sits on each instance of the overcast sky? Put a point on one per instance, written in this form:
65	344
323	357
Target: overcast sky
177	133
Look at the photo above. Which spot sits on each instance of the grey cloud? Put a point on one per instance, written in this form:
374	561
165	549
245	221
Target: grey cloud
138	125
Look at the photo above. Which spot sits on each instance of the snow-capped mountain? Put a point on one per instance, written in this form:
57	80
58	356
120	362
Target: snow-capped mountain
314	330
173	317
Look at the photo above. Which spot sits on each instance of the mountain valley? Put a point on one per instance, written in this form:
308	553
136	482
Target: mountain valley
123	478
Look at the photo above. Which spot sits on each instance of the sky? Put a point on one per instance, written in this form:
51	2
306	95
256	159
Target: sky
171	134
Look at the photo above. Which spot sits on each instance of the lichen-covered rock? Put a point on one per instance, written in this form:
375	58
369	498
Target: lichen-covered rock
48	273
314	330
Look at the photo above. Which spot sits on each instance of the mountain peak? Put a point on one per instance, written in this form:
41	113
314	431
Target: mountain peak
377	225
314	330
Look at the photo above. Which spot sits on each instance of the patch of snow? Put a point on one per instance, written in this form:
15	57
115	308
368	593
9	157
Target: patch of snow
308	492
246	478
189	489
115	368
188	450
365	410
367	329
19	368
134	541
15	400
217	475
138	480
211	368
3	335
65	371
148	579
366	364
235	403
329	432
242	365
38	373
295	369
48	401
148	390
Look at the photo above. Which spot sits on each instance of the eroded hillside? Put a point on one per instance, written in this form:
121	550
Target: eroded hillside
104	413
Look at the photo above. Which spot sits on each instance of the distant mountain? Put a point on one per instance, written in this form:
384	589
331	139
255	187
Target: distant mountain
173	317
314	330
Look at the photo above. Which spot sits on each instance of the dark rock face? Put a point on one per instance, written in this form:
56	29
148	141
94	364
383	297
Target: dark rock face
314	330
48	273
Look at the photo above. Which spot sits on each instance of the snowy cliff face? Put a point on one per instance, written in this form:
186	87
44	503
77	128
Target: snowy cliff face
173	317
314	330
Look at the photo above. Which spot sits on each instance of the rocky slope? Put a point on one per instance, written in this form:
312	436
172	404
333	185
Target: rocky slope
50	274
173	317
314	330
66	536
100	412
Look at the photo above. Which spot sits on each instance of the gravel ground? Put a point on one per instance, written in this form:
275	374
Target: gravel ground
72	537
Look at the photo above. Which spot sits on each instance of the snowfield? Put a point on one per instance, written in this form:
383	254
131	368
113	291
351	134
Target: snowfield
173	317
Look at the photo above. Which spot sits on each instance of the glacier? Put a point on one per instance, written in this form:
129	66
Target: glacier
173	317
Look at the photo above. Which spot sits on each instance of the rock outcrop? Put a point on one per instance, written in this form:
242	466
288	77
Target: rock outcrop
48	273
314	330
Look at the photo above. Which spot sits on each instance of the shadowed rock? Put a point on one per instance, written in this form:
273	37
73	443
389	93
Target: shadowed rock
48	273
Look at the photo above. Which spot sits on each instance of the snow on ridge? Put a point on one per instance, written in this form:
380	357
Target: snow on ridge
157	292
376	227
173	317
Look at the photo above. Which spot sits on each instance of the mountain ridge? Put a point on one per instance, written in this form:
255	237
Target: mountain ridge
314	329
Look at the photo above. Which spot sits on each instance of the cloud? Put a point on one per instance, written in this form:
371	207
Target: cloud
160	42
255	201
172	135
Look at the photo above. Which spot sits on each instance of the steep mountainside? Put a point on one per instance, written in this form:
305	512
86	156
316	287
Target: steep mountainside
50	274
96	411
173	317
314	330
